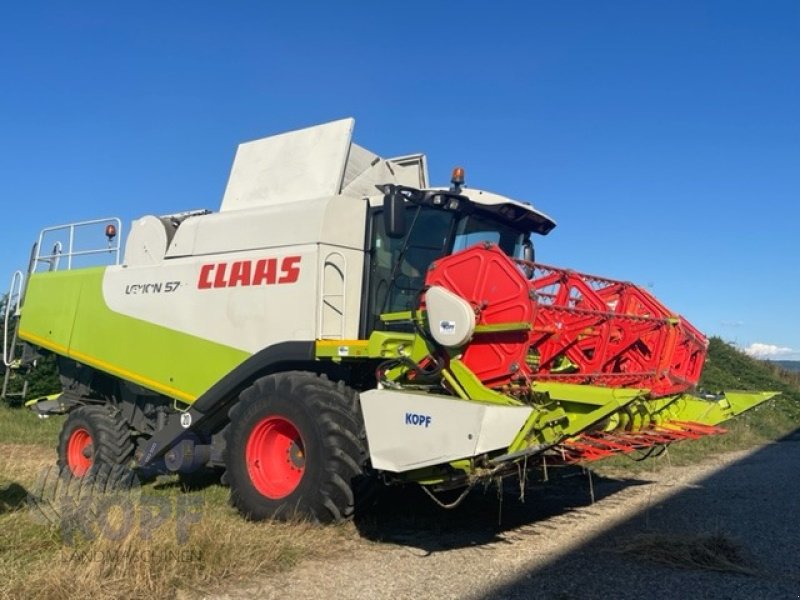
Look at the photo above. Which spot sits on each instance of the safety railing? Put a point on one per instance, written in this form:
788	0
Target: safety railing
64	245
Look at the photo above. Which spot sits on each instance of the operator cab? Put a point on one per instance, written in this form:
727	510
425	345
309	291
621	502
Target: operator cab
415	227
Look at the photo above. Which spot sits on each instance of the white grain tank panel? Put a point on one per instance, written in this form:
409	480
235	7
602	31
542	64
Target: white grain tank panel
362	177
365	184
341	274
359	160
306	163
335	220
410	170
246	300
345	222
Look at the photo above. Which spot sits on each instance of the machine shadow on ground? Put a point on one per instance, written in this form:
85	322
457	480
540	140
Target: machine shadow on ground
405	515
751	505
12	497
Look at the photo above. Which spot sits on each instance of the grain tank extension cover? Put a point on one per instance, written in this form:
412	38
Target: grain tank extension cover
303	164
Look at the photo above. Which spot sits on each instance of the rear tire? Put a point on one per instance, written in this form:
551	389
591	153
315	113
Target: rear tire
295	448
94	455
93	436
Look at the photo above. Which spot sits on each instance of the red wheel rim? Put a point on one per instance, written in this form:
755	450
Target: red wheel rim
79	452
275	457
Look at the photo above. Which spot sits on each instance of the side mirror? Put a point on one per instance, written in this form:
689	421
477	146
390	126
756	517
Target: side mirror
528	257
527	251
394	214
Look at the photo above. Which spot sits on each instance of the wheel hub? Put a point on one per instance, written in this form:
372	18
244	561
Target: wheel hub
296	456
80	451
275	457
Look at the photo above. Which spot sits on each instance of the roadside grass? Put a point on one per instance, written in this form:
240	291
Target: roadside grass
22	426
155	541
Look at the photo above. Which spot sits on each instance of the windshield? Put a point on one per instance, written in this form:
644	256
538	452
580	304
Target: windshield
476	228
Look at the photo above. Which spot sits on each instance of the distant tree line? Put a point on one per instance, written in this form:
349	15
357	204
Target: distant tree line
788	365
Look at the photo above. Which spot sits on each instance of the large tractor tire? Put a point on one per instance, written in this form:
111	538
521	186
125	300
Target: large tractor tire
295	448
94	455
93	436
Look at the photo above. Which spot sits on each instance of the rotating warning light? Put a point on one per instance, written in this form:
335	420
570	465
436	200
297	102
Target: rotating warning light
458	176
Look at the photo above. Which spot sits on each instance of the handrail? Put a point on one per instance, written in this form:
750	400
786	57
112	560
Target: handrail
58	250
17	279
58	253
326	298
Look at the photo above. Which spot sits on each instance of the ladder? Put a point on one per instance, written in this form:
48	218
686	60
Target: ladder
12	347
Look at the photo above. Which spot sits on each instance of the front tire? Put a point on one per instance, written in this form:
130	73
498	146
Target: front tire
294	448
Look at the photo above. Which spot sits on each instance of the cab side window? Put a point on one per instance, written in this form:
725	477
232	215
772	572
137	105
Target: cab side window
397	275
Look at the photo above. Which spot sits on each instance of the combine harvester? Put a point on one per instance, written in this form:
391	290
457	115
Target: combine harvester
338	321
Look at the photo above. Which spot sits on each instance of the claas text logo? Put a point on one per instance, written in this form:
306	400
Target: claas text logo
265	271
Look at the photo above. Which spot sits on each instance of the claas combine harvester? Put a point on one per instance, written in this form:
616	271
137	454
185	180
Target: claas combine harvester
340	322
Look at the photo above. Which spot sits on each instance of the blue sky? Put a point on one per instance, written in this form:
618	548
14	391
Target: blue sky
664	137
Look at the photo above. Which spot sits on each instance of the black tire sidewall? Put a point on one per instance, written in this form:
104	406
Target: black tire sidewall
303	498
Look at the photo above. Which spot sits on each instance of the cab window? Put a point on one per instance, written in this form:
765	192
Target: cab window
398	265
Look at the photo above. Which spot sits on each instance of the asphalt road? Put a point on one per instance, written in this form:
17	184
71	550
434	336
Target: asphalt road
558	544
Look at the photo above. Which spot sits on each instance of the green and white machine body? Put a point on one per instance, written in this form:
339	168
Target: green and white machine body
298	273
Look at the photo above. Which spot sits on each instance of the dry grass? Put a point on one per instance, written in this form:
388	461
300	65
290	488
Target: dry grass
22	426
220	549
195	545
705	551
23	463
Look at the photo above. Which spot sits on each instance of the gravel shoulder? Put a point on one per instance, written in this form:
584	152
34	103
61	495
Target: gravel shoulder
558	544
